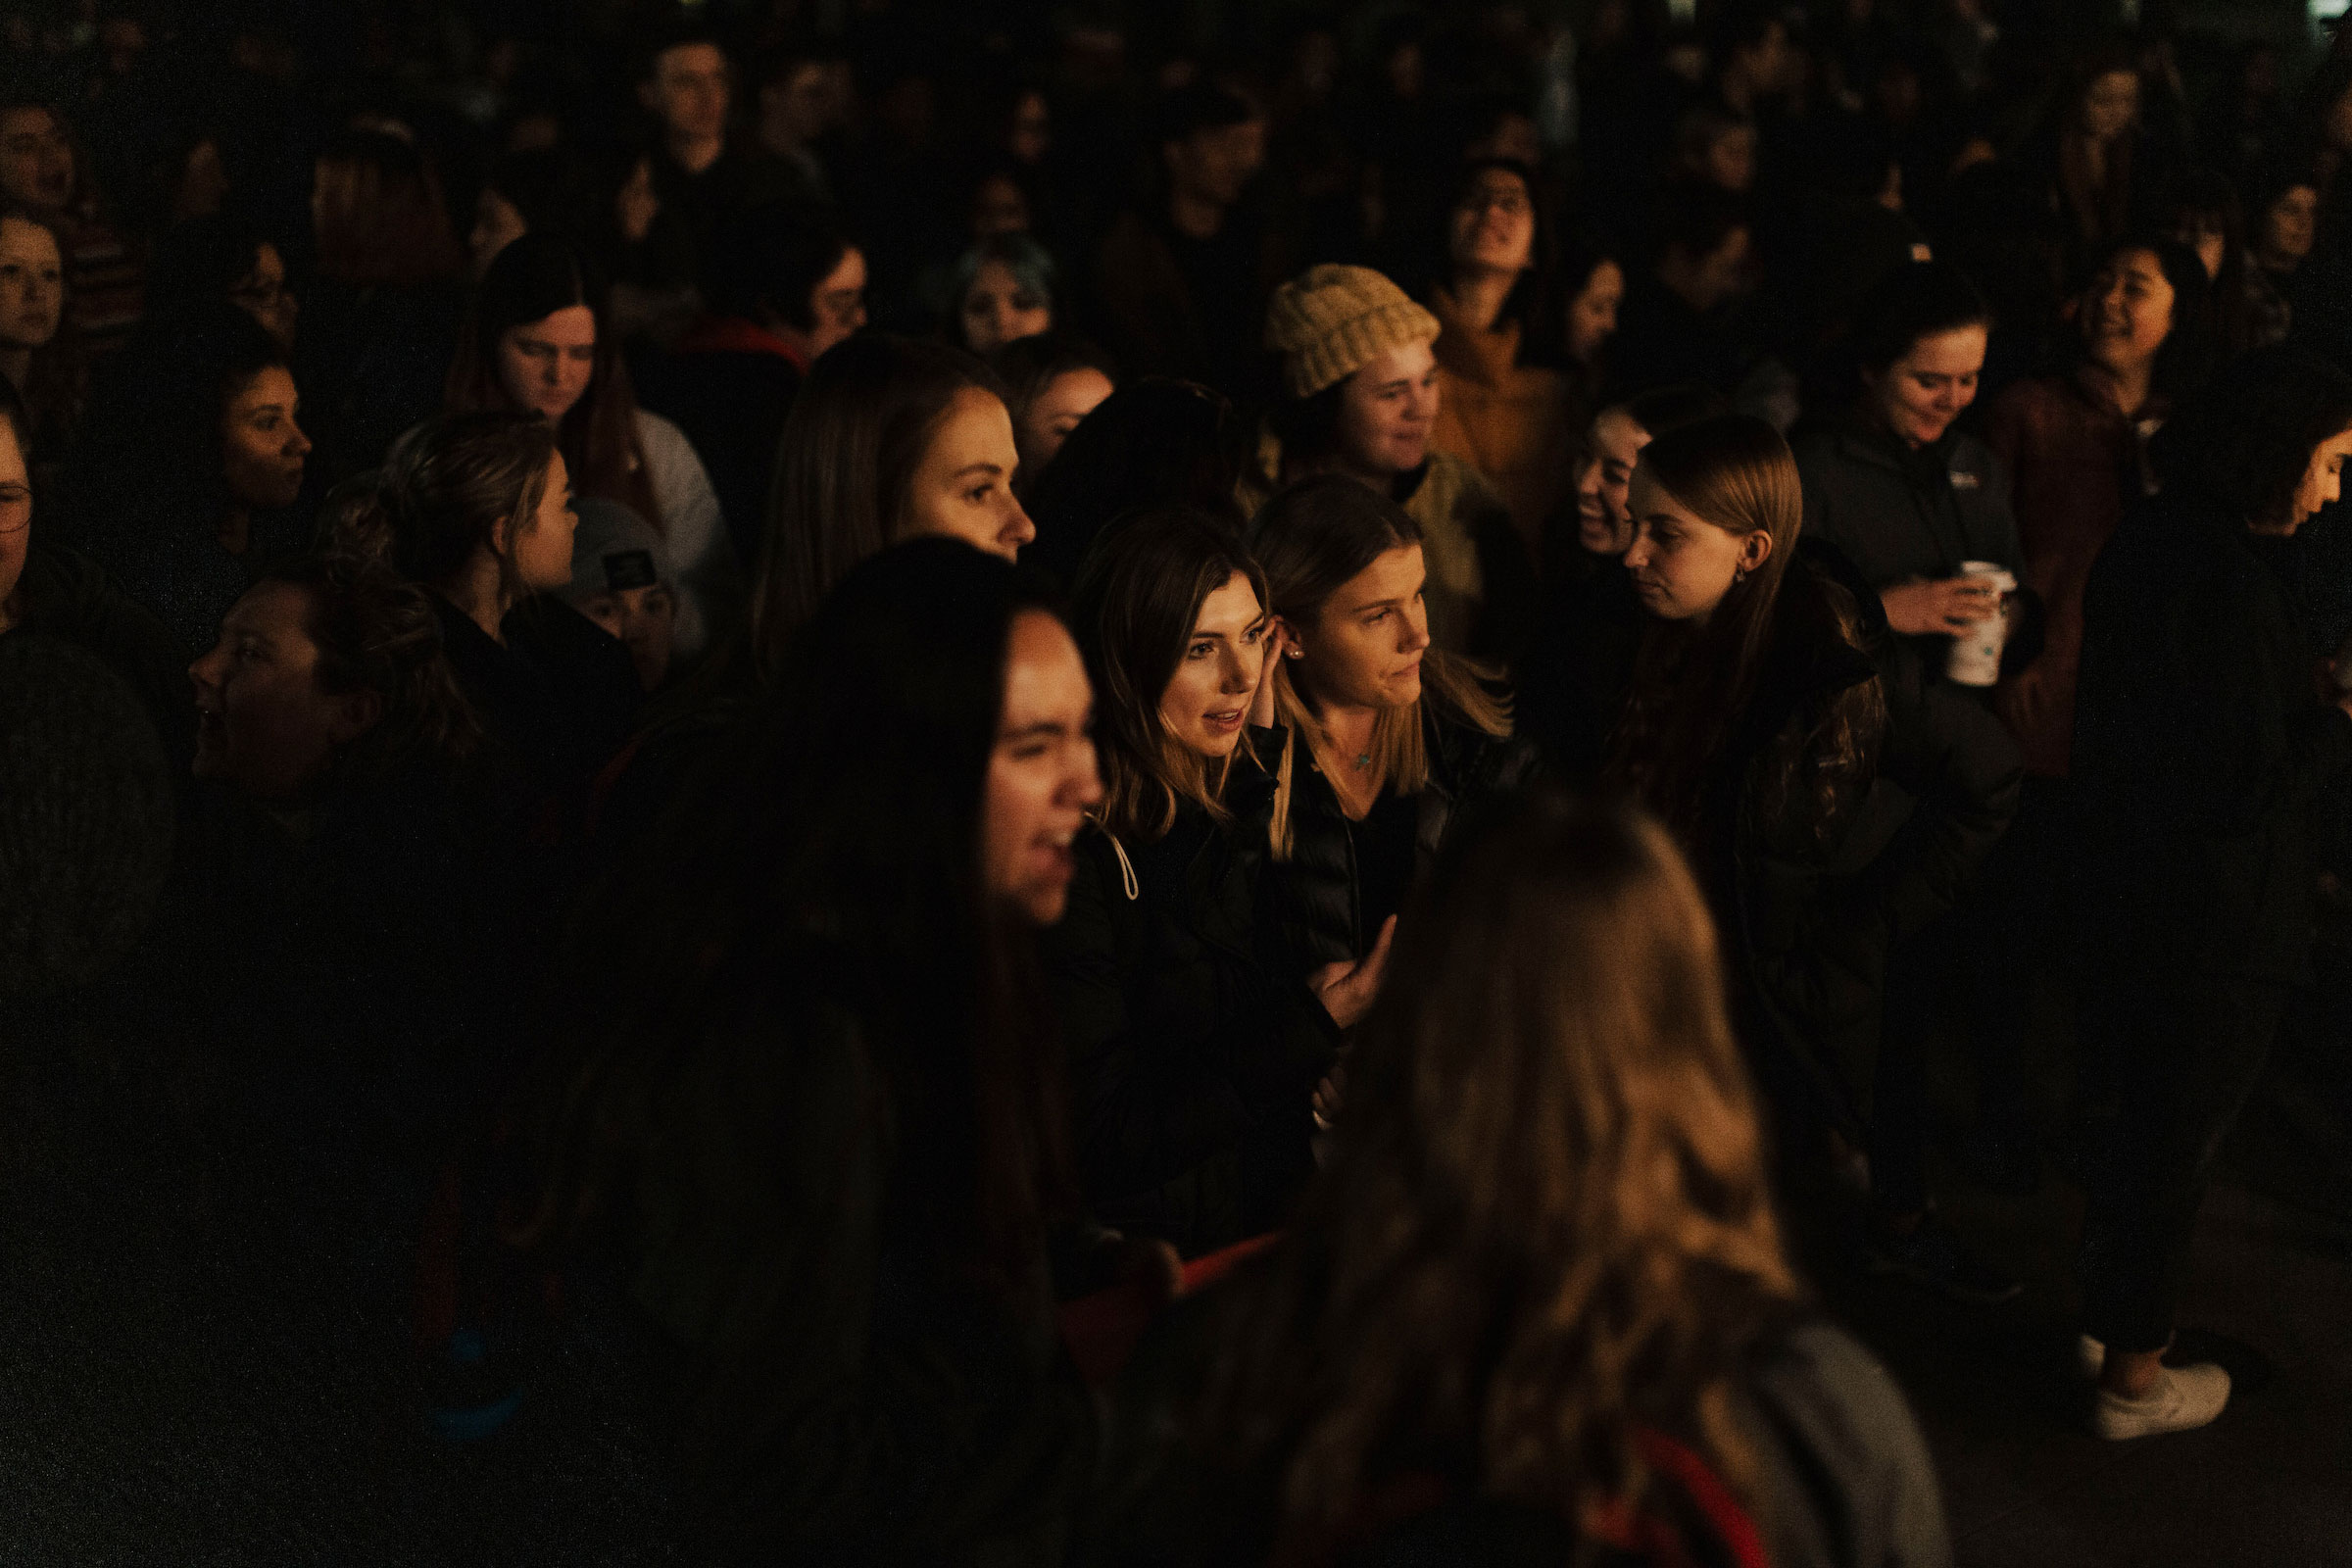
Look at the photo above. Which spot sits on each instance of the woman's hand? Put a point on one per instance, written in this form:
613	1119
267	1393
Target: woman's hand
1261	704
1327	1094
1948	605
1347	989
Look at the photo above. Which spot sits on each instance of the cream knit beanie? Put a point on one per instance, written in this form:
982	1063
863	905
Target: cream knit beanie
1329	320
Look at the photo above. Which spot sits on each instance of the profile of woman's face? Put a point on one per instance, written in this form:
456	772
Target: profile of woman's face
1000	309
1040	774
1494	226
2128	311
1593	313
32	285
1208	700
1364	648
264	723
2323	478
1387	411
262	448
1921	394
963	488
497	225
1057	411
16	514
262	294
544	367
541	543
1612	445
1682	564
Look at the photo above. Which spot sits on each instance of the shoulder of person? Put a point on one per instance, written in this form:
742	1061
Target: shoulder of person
1458	487
1837	1414
662	441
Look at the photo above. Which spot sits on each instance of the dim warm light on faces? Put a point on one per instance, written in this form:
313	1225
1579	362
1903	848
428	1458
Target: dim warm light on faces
1057	411
264	723
36	161
690	91
963	489
16	520
1922	393
2130	312
541	545
1494	226
263	449
999	309
837	304
1593	313
1042	777
1364	648
2290	226
262	294
1207	699
1387	410
2323	478
644	620
2110	105
1682	564
497	225
32	285
544	367
1603	525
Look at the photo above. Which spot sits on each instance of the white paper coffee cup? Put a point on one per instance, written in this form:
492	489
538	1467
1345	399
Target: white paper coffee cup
1976	656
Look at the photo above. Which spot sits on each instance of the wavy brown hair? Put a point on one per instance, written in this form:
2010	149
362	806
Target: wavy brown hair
1695	680
377	633
1137	601
1544	1222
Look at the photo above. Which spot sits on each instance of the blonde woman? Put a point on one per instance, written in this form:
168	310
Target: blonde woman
1535	1306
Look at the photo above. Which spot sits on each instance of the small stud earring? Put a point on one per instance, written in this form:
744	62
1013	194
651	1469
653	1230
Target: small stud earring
1295	652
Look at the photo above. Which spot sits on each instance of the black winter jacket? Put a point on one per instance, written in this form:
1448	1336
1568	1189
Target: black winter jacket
2200	737
1899	514
1317	891
1192	1050
1808	916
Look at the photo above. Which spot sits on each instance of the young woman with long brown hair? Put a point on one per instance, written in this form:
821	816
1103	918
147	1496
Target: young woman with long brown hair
1388	738
1536	1305
537	341
1193	1053
1766	702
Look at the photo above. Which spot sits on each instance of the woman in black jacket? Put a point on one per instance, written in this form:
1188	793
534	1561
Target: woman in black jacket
798	1113
1387	740
1765	710
2200	738
1193	1052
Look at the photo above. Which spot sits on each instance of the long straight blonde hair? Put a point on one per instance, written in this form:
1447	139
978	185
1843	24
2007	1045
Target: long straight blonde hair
1311	539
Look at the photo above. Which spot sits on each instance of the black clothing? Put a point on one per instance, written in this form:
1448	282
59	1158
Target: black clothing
728	386
1899	513
1842	1476
852	1392
2201	740
1811	896
72	598
371	363
1322	900
675	253
559	696
162	545
1661	341
1192	1055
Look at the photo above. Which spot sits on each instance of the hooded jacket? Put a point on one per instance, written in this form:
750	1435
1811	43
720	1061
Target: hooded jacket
1192	1051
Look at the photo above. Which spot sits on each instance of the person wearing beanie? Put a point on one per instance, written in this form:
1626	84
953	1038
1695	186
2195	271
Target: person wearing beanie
622	578
1358	395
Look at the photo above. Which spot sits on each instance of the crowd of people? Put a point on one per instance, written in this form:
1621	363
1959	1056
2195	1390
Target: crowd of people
947	785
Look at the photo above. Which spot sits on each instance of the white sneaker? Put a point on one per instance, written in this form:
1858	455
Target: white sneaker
2183	1398
2090	1357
